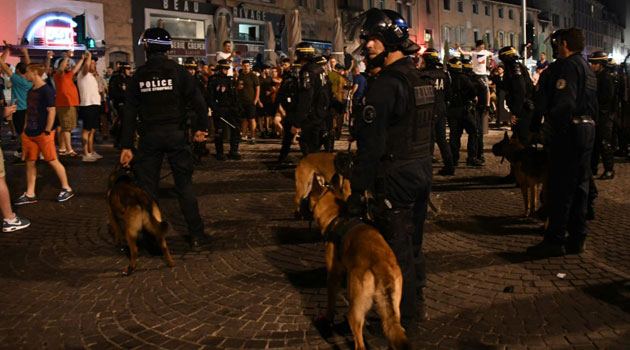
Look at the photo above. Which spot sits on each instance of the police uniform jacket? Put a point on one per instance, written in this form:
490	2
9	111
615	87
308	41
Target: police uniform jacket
442	87
116	91
574	93
287	94
516	87
463	89
158	93
605	93
221	94
390	129
314	97
543	90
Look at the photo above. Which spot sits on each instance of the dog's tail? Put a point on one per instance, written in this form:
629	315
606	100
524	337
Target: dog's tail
388	308
154	220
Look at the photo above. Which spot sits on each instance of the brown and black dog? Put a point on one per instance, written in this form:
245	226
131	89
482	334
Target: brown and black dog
131	209
373	273
320	163
530	167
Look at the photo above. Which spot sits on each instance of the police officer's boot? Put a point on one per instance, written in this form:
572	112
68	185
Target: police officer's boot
234	142
607	175
446	171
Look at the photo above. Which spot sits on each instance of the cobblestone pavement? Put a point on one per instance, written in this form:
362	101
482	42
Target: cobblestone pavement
261	281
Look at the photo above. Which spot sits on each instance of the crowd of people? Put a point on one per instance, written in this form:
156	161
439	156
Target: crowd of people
395	102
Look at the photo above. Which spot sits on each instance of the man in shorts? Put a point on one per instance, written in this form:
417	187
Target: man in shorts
248	91
19	88
38	136
90	107
66	101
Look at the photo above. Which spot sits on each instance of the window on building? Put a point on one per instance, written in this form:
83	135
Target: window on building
409	16
511	14
302	3
555	20
500	12
460	6
399	8
178	27
428	34
447	5
501	39
475	34
488	38
370	4
446	33
486	9
319	4
382	4
428	6
462	38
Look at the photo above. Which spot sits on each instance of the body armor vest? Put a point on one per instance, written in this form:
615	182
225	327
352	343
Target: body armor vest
438	79
160	101
223	93
410	137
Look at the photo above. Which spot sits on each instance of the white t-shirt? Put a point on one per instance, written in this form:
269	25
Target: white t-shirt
88	89
226	56
479	61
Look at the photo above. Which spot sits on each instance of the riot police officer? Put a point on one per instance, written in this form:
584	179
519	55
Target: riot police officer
461	113
157	94
222	100
519	88
287	100
442	86
199	148
117	90
572	105
314	98
606	98
481	106
393	158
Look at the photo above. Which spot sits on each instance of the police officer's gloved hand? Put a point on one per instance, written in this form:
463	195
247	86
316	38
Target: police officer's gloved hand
355	204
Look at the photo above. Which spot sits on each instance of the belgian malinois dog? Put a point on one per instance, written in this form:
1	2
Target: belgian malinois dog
131	209
315	163
373	274
530	167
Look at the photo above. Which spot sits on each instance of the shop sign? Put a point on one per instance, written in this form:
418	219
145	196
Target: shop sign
188	48
181	5
58	36
249	14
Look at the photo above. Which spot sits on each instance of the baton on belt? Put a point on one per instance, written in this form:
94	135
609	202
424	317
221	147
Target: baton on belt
228	123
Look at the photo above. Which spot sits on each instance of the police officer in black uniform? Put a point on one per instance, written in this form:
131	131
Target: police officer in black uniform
442	86
155	106
287	99
606	98
117	90
481	106
461	113
572	105
314	98
199	148
223	102
518	88
393	158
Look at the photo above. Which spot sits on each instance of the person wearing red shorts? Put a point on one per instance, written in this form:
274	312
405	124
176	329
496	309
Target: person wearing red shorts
38	136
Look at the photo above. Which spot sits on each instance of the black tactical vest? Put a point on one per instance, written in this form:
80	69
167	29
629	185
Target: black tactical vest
224	91
410	137
438	78
160	100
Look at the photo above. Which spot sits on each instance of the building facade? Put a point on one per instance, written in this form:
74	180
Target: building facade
602	27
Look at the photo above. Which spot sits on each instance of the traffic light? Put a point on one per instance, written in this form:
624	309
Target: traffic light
90	43
79	30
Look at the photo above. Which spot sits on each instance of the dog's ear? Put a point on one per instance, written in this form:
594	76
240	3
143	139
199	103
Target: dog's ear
505	136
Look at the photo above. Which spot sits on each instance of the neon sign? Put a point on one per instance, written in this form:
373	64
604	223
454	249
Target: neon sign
38	28
58	36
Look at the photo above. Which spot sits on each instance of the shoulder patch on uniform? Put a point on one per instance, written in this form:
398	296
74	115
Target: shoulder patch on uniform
561	84
369	114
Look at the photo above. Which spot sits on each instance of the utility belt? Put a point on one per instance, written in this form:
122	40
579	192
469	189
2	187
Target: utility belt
145	127
583	119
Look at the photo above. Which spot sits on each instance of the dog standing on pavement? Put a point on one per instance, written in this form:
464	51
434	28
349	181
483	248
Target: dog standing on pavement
131	209
530	167
320	163
373	273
